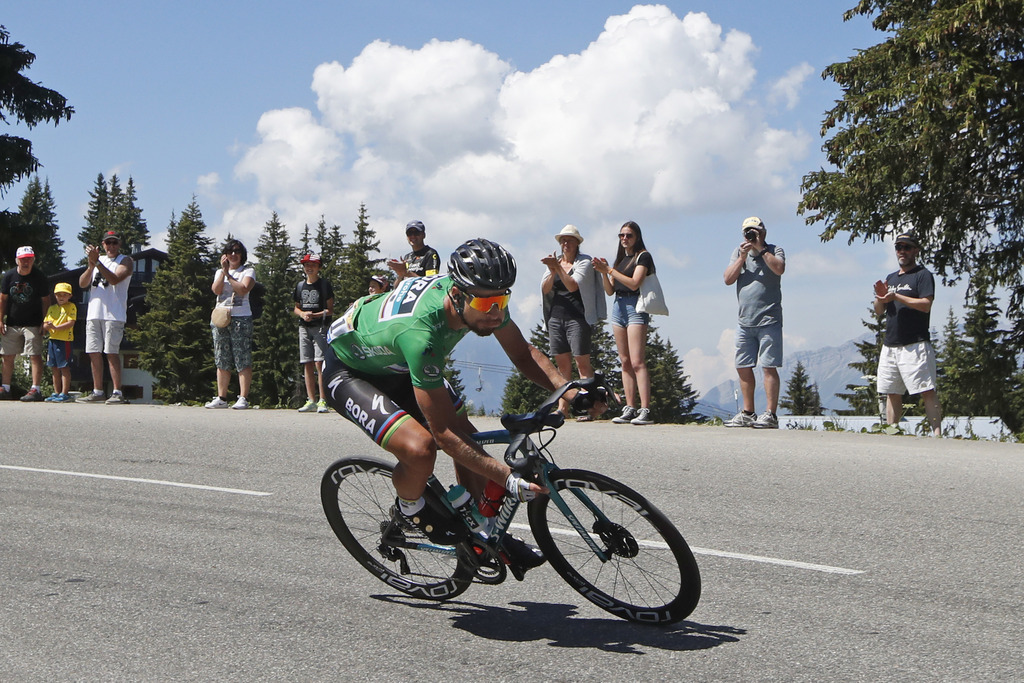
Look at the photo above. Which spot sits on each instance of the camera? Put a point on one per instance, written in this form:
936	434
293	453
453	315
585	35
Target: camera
750	234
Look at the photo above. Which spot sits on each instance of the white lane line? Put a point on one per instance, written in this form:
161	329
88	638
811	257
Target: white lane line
774	560
735	556
158	482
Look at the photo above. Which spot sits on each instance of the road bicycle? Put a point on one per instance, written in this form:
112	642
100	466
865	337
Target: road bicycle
606	540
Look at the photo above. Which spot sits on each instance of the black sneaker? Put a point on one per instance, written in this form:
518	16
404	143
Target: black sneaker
521	555
438	529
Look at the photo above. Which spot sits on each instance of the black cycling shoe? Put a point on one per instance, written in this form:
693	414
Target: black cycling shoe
435	527
521	555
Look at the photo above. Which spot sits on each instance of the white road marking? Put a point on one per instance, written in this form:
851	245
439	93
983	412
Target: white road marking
735	556
158	482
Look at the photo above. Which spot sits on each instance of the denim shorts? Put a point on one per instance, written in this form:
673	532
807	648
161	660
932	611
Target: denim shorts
58	354
624	311
756	345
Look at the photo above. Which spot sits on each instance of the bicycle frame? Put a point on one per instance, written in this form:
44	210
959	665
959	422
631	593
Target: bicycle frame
525	457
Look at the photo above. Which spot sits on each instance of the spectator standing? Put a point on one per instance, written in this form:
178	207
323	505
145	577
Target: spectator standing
107	277
232	345
377	284
314	305
633	263
907	361
419	262
756	269
60	324
573	304
24	298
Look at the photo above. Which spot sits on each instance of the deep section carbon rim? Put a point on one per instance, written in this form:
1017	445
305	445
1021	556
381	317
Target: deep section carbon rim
358	498
649	574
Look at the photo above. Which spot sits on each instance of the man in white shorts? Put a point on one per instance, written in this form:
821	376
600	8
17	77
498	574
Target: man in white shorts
907	361
107	278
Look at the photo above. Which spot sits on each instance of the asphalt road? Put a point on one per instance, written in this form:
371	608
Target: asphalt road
824	556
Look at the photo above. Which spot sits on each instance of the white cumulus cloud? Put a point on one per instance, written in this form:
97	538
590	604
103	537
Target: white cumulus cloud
653	120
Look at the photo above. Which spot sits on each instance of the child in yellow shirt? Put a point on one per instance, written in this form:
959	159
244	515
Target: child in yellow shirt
60	323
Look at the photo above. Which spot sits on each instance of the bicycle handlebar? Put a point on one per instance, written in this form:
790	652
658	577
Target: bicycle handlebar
545	415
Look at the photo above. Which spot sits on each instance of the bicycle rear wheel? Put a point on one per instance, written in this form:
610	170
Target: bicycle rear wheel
649	575
358	498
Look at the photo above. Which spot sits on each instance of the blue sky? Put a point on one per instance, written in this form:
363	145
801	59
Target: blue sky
505	120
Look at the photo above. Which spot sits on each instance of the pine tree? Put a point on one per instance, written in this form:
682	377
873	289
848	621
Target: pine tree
275	366
801	395
863	398
360	263
36	223
979	369
953	356
521	395
113	208
330	244
25	101
672	397
130	224
173	336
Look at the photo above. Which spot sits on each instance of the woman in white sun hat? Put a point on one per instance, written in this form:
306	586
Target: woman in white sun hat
573	303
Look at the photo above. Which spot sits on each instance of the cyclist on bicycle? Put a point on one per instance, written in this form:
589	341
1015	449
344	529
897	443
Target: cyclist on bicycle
385	376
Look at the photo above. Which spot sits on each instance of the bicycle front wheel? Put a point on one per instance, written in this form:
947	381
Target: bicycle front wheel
647	574
358	499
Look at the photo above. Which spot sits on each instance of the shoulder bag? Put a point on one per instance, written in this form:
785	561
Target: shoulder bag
221	315
651	300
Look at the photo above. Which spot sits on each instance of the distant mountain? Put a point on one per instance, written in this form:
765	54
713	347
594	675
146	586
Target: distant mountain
829	368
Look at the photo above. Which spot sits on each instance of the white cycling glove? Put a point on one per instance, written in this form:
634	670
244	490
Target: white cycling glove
520	488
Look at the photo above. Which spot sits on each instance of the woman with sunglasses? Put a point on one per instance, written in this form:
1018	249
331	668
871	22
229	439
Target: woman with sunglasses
632	264
232	345
572	305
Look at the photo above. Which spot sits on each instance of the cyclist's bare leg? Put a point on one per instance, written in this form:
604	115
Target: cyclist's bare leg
416	451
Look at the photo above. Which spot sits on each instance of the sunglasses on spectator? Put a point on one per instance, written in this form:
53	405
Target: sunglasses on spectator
233	251
485	303
626	235
903	246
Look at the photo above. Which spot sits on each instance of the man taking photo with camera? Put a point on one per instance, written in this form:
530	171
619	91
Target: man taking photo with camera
756	269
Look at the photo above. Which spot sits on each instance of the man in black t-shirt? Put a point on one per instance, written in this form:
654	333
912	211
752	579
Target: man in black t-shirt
907	361
24	298
314	305
422	261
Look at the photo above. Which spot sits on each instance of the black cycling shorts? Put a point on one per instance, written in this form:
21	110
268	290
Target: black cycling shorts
377	404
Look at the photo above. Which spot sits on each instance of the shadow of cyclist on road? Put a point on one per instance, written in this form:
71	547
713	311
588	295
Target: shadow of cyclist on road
561	625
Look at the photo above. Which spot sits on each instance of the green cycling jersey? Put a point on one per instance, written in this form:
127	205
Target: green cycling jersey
402	332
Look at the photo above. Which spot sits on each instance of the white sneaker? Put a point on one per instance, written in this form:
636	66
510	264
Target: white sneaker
216	402
308	407
321	406
766	421
241	404
643	417
628	413
740	419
